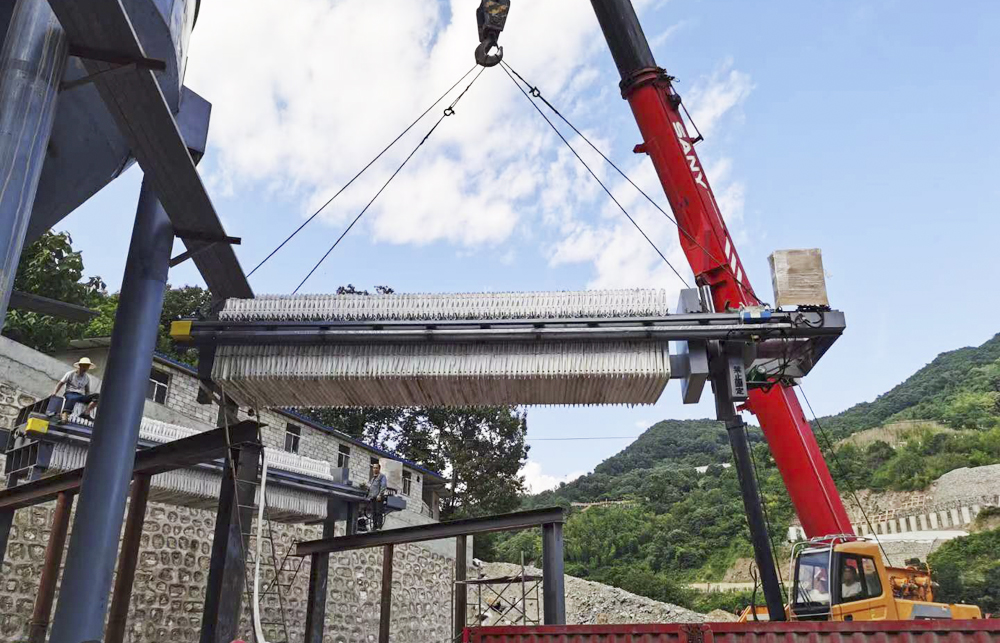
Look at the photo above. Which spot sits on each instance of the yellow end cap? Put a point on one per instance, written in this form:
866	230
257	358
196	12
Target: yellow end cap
180	331
36	425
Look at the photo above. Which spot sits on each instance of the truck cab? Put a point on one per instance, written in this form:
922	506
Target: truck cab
844	578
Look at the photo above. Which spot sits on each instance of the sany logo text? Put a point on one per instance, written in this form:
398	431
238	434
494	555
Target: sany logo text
699	176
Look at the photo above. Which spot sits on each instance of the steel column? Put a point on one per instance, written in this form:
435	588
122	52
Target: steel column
319	573
93	547
553	579
461	589
127	560
39	625
227	580
32	64
385	613
755	519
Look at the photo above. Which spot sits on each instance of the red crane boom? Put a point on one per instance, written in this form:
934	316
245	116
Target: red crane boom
710	250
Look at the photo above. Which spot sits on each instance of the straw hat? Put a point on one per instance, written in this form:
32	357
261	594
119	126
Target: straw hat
84	361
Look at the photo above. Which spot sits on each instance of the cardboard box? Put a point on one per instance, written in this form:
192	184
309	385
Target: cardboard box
798	278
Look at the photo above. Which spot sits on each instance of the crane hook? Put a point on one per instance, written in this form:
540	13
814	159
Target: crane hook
491	16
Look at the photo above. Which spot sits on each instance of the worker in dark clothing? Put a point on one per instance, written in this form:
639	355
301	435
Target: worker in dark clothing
376	494
78	390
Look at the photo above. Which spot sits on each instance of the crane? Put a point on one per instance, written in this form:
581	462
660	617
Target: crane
833	554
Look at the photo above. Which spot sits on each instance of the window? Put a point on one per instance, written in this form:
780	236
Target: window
407	483
293	434
858	579
874	585
374	461
343	457
158	384
811	587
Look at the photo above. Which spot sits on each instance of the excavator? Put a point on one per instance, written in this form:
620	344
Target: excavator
836	574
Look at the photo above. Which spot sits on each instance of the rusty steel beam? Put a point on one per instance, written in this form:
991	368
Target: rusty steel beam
127	560
38	628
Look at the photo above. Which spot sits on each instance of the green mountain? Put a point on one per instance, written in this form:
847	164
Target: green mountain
675	524
960	389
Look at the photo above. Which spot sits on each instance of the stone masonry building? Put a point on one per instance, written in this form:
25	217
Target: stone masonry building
169	590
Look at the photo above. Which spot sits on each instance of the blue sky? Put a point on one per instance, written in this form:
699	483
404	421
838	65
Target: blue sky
867	129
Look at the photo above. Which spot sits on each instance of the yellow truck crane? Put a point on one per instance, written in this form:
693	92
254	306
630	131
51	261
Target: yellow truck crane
844	578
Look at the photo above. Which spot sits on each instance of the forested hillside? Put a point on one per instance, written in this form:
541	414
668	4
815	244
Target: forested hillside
681	525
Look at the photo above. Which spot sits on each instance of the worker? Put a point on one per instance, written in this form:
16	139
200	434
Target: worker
78	390
376	492
850	587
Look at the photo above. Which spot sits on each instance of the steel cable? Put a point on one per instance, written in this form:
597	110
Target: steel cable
593	174
449	111
536	93
363	170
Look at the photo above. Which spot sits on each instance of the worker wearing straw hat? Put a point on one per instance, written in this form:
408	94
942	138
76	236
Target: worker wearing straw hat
78	386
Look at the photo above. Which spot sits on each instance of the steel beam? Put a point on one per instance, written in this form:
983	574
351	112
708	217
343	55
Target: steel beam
38	628
178	454
553	578
755	519
319	574
127	560
93	546
32	63
435	531
52	307
461	589
138	106
385	610
227	580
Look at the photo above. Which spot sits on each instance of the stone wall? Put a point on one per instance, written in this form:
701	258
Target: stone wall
169	591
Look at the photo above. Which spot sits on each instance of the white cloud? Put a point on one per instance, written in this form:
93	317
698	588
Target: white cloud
620	255
722	93
301	107
536	481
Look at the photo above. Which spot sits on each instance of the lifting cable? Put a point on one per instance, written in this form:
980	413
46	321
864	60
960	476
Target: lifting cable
507	70
836	461
363	170
536	93
449	111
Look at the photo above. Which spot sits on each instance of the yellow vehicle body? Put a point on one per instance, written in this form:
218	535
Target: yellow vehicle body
884	594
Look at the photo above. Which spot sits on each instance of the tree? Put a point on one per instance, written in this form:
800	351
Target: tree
50	268
187	301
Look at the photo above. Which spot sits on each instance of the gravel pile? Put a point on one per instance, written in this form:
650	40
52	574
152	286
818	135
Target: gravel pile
593	603
964	483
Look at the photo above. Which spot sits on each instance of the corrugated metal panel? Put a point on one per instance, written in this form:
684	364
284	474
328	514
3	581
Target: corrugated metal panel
982	631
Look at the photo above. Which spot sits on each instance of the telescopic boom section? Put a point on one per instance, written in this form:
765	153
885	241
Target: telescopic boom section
713	258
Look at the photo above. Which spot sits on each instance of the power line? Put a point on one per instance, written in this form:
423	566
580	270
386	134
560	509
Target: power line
363	170
593	174
536	93
449	111
607	437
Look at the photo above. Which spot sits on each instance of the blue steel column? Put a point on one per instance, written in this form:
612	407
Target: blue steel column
31	68
93	548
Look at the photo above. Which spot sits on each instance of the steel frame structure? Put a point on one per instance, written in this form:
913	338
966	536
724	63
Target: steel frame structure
238	443
553	582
